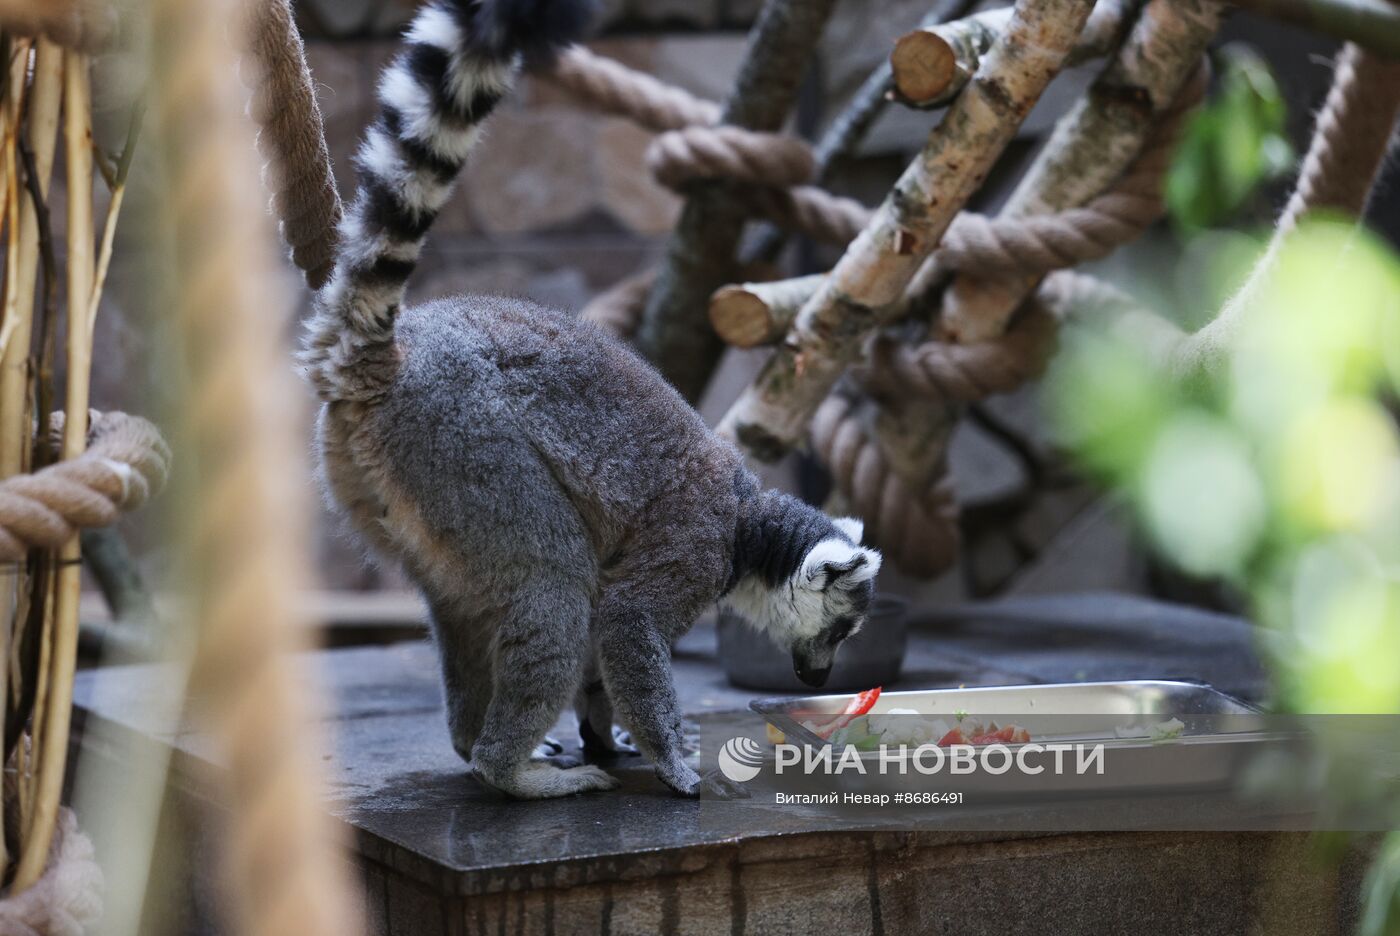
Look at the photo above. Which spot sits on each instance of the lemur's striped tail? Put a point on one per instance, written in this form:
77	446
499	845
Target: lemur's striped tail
459	58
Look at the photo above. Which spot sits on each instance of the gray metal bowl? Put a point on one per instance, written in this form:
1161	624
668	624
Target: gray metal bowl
873	657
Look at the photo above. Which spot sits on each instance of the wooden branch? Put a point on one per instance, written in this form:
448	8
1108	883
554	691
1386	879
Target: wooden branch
675	332
848	128
1092	146
930	65
772	414
751	314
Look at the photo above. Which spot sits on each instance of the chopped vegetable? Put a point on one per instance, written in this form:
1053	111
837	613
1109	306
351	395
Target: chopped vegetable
774	735
1168	730
1010	734
862	703
953	737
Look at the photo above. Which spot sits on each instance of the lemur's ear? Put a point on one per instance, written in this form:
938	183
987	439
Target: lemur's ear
833	562
851	526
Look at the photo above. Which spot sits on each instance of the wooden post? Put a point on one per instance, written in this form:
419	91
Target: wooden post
675	333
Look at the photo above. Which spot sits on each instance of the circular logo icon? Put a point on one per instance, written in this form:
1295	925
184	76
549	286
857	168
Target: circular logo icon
740	759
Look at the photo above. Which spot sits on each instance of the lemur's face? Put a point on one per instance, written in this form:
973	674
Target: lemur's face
822	603
837	579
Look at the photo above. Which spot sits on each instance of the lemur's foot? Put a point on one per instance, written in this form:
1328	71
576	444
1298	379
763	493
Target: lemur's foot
540	780
617	744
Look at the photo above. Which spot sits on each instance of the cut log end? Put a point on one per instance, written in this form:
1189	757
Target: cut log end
923	65
742	318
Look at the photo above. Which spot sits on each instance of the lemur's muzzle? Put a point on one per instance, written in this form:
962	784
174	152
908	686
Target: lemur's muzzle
810	675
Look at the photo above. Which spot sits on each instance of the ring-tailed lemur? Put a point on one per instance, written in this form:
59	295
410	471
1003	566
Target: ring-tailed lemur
558	503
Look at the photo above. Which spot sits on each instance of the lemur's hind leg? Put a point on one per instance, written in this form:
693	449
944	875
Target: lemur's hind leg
464	635
602	740
539	651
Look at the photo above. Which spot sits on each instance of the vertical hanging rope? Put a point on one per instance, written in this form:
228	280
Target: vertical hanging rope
1350	140
292	138
245	536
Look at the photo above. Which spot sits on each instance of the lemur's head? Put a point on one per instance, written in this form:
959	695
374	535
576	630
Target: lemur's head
821	599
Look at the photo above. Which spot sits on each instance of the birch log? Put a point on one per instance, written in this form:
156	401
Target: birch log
747	315
848	128
772	414
1093	145
930	65
675	332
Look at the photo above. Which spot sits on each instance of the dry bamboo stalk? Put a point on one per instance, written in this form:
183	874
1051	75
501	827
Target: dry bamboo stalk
53	743
930	65
16	411
1093	145
747	315
14	107
42	117
855	299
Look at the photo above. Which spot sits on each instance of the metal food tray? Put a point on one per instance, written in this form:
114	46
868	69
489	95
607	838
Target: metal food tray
1221	732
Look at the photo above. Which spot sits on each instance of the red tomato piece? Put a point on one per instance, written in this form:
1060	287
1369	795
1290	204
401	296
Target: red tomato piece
953	737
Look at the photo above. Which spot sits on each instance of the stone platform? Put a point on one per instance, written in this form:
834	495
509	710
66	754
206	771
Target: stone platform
441	855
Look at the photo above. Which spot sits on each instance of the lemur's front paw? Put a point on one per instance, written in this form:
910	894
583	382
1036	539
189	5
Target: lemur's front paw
719	786
687	782
680	777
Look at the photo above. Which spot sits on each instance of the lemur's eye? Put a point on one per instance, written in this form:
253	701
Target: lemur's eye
842	628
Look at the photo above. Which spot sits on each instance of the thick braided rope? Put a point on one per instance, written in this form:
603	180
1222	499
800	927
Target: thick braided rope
679	156
1350	138
67	898
974	244
964	373
918	529
613	88
126	463
245	546
292	138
